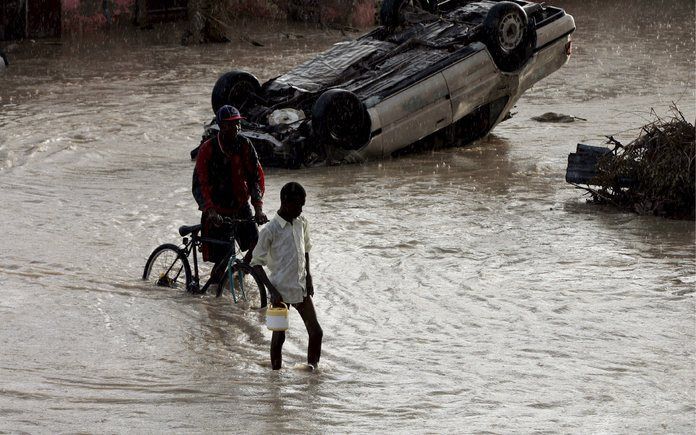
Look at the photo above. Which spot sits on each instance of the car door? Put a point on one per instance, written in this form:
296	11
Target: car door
471	83
414	113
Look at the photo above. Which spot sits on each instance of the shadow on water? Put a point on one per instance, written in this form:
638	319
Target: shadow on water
483	165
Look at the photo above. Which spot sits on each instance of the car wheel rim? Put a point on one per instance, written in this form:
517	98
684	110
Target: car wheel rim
510	32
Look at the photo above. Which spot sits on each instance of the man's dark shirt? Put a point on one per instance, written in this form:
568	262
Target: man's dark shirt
225	183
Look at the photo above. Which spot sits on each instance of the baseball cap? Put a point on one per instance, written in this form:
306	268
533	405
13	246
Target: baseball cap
228	113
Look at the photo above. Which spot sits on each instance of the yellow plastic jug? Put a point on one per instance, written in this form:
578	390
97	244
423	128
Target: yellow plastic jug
277	317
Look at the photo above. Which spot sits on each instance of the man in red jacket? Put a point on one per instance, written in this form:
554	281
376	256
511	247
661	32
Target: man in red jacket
227	176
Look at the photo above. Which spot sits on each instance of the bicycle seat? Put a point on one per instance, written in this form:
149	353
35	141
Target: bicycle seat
185	230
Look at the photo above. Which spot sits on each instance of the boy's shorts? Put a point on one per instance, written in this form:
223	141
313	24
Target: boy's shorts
247	235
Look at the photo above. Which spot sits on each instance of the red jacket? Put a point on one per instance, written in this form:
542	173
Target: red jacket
226	183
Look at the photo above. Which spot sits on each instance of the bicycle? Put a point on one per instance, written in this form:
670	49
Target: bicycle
167	263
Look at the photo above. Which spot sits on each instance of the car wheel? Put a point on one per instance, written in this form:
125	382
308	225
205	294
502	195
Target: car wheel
340	119
236	88
508	36
391	13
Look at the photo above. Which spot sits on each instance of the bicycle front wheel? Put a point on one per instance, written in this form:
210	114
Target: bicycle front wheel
254	290
168	267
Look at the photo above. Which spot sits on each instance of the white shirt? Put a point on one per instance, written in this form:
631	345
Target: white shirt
281	247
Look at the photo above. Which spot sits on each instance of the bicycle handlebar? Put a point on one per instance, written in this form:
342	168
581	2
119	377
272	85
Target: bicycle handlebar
234	221
185	230
229	220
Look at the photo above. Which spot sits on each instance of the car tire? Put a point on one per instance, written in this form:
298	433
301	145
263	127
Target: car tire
391	11
508	36
340	119
236	88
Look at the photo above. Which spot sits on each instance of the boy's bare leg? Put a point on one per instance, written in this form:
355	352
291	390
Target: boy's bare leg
277	349
309	316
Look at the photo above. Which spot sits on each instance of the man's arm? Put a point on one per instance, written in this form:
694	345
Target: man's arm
256	183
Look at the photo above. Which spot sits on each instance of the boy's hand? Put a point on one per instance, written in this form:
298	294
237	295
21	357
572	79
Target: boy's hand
276	298
310	286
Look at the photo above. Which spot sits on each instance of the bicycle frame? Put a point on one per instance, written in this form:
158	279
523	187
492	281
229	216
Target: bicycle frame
190	247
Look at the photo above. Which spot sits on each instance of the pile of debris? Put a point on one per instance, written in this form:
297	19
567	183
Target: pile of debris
654	174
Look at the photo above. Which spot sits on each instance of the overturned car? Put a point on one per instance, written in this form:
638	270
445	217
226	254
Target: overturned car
433	74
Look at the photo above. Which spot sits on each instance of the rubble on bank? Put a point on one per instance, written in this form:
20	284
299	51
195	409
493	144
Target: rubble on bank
652	175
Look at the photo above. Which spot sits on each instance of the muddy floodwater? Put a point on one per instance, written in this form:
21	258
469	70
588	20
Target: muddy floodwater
465	290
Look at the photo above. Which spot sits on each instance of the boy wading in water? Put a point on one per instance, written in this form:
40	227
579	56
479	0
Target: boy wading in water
283	247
